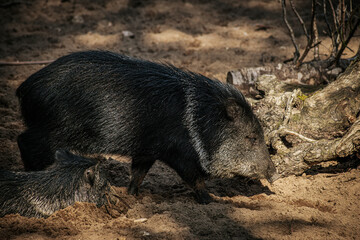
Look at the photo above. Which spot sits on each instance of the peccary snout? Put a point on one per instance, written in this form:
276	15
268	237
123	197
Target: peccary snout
272	174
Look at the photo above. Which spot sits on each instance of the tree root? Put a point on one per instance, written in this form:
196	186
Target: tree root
303	130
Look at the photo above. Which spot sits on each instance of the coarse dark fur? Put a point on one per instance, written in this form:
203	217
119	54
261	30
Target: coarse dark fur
39	194
104	103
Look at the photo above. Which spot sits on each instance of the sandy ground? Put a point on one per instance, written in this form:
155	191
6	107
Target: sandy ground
210	37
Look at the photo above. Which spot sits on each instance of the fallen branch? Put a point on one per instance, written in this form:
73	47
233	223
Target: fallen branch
302	137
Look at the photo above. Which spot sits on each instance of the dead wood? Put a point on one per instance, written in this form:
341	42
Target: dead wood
310	73
305	125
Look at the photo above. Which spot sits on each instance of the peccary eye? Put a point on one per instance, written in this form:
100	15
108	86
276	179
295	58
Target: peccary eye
90	176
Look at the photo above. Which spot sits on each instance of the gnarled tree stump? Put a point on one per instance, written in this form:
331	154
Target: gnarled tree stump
305	125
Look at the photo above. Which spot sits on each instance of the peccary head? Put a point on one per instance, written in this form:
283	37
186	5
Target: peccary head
241	149
88	176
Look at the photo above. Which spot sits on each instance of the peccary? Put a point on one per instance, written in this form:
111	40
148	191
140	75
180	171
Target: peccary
69	179
102	102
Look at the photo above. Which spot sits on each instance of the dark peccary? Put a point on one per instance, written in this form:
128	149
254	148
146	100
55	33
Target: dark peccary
106	103
68	180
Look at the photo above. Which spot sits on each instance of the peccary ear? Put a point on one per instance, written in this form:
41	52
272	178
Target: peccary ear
232	109
62	155
89	175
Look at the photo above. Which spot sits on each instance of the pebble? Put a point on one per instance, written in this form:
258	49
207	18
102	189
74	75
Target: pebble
140	220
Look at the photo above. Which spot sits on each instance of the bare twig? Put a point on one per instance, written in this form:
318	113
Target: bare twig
342	18
299	18
312	35
346	42
292	36
317	44
25	62
330	33
336	23
302	137
335	32
316	40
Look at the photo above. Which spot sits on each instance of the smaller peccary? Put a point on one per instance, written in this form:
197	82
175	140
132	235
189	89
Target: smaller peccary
39	194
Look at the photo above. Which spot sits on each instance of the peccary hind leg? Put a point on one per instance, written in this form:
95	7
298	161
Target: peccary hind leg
35	150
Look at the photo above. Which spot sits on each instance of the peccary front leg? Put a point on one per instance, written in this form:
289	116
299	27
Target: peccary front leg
202	196
189	171
139	168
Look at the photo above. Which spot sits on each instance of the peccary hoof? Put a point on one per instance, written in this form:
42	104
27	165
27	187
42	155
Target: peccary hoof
133	190
203	197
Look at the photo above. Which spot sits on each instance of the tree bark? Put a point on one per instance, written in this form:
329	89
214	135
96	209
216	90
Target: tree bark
305	125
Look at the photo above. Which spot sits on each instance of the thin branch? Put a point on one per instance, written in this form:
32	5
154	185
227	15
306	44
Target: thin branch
317	44
350	20
336	32
25	63
299	18
316	40
311	40
346	42
335	15
292	36
330	33
336	23
302	137
342	17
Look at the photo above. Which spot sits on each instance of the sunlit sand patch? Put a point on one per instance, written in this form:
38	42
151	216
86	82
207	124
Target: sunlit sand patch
91	39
